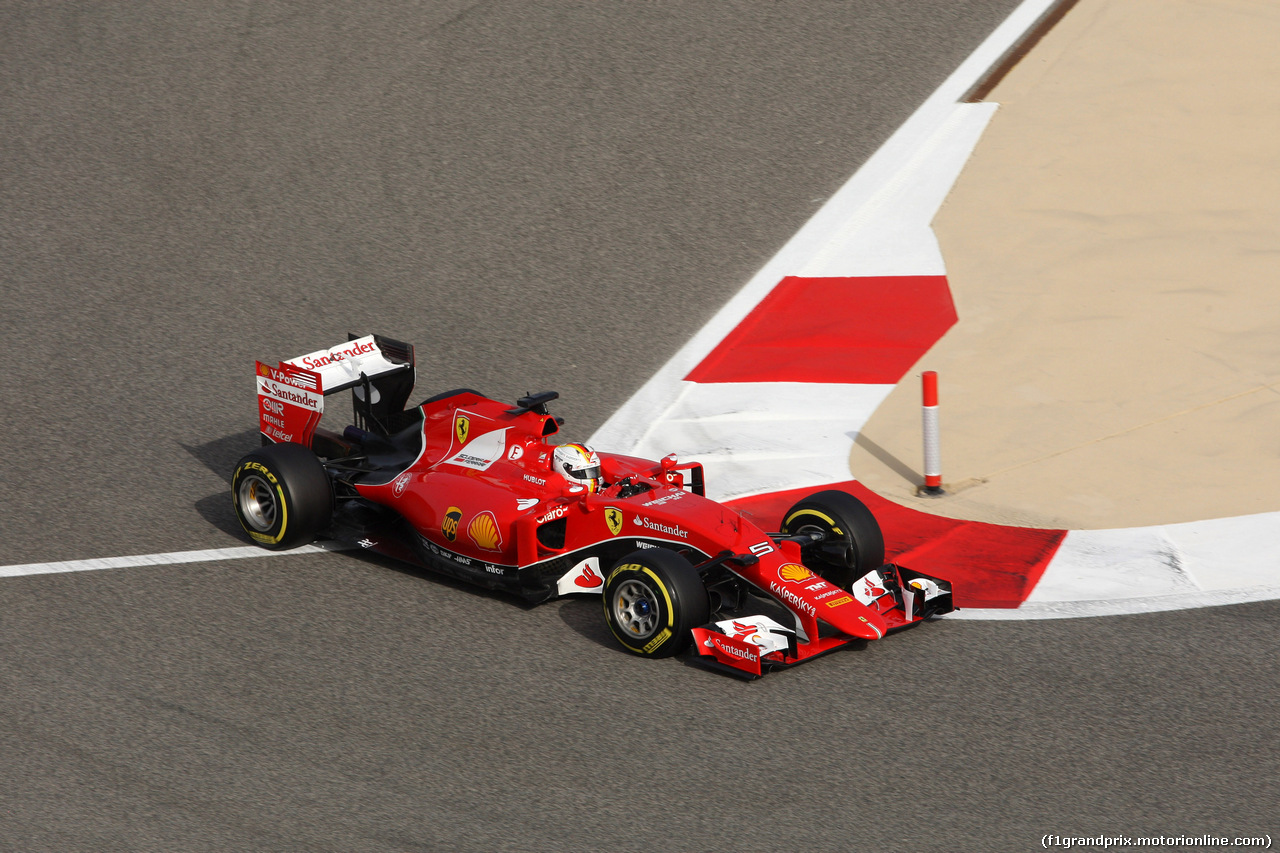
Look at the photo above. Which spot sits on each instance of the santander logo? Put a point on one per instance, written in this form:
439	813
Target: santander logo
735	651
588	579
357	348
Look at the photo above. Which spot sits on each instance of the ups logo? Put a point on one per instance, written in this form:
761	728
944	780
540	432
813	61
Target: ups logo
449	527
462	428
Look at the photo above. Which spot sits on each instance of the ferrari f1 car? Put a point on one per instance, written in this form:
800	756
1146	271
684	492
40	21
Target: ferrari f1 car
474	489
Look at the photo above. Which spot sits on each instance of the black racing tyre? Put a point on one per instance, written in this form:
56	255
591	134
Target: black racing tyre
653	598
853	544
282	496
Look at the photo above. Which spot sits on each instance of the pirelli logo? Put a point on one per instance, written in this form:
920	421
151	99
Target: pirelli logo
839	601
662	637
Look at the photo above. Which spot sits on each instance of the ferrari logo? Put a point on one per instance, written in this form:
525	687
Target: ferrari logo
613	518
461	427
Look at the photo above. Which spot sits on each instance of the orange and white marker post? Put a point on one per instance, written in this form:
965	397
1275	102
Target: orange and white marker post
932	452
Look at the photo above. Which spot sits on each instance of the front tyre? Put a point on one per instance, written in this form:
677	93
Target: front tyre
851	543
653	598
282	496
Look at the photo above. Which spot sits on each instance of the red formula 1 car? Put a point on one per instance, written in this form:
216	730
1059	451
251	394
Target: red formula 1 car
473	488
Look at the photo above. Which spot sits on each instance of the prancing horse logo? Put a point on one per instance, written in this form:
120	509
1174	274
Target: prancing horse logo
461	427
613	518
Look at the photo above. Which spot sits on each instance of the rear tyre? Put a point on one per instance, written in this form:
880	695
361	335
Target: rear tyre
852	543
282	496
653	598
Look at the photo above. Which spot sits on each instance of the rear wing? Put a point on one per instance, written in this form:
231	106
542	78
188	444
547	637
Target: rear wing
379	371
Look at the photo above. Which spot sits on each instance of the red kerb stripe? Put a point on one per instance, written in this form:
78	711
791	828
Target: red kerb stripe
848	330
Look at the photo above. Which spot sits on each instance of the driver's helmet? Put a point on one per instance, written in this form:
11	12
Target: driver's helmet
579	465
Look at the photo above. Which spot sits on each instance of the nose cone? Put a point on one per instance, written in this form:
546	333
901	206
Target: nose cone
868	625
850	616
806	592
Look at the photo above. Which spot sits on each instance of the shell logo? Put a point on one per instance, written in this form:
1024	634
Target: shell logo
483	531
794	572
263	369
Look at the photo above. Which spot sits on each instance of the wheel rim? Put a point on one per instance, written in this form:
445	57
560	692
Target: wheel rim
806	529
635	608
840	550
257	503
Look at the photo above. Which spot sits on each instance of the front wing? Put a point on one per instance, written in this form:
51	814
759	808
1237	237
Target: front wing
750	645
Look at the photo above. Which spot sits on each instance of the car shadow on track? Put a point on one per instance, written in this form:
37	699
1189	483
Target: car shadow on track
582	613
428	576
221	455
218	510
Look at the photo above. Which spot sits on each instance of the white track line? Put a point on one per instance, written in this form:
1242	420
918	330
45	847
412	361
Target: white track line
1117	606
172	558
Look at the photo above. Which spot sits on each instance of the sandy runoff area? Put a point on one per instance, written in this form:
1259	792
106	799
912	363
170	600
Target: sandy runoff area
1113	249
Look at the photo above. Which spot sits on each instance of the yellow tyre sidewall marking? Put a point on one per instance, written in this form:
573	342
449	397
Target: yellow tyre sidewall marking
831	522
666	595
659	638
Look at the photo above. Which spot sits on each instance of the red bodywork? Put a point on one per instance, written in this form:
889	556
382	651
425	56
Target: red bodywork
482	488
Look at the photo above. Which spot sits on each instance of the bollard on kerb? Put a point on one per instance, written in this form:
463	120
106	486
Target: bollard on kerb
929	422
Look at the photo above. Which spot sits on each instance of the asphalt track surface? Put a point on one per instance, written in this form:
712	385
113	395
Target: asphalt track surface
549	196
